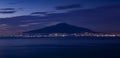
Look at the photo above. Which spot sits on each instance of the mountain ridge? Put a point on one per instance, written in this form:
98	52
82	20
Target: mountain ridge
61	28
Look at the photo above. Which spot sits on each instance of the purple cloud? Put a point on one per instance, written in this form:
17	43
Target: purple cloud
7	10
39	13
73	6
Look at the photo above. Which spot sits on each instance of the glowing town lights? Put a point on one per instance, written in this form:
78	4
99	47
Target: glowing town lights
63	35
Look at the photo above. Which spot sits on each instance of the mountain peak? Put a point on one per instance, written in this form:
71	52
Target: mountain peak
62	24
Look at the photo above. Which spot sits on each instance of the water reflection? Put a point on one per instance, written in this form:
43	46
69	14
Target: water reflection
59	48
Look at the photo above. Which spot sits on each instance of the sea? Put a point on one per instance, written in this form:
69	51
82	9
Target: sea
60	47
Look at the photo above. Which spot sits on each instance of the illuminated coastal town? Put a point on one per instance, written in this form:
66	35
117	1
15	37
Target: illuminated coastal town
63	35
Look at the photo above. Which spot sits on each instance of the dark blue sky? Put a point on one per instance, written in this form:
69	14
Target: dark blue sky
25	7
23	15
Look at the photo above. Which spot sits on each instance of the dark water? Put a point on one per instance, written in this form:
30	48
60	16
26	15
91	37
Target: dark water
69	47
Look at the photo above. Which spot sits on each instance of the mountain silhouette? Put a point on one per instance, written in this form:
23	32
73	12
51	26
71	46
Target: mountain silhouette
61	28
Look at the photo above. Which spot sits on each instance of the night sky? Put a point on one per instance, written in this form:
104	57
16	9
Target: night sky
24	15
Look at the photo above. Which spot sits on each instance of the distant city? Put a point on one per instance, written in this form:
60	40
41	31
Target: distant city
64	35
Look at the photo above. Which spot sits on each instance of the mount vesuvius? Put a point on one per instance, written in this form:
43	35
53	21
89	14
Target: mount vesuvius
61	28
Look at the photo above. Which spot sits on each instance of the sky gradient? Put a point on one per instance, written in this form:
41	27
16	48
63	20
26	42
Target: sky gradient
24	15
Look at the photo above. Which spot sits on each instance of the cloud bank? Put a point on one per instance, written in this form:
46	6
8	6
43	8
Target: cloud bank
73	6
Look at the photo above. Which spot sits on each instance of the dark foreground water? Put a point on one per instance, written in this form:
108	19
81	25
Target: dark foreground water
69	47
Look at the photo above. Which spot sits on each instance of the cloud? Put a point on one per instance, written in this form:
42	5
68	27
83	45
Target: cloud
73	6
17	2
4	27
29	24
39	13
7	10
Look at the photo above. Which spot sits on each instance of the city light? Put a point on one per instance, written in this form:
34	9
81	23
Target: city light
63	35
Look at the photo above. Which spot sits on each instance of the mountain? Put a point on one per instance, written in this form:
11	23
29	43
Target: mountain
61	28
